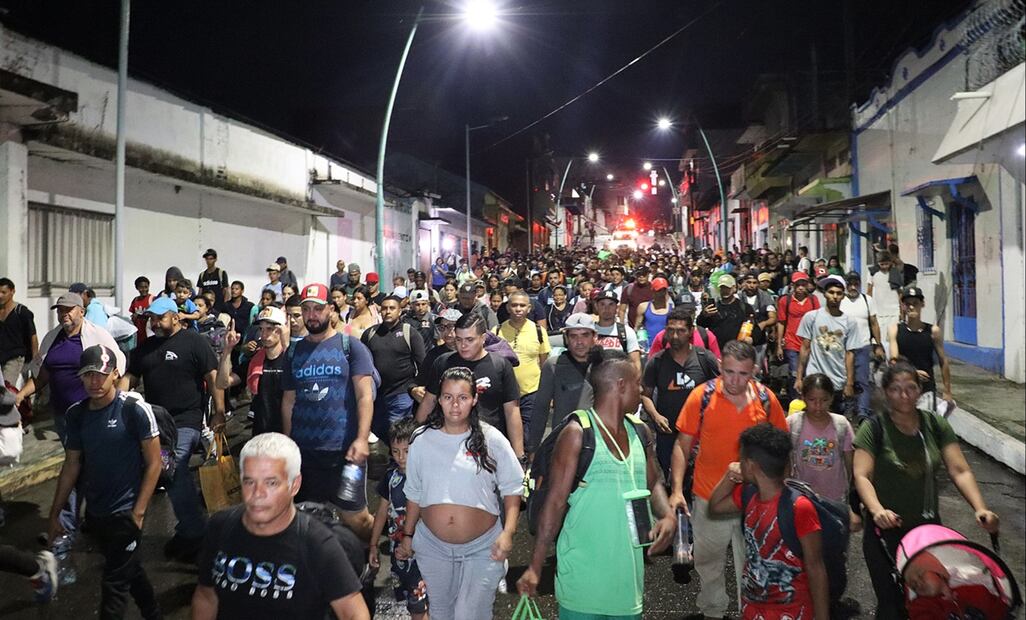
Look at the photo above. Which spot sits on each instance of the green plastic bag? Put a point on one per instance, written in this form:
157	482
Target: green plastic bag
527	609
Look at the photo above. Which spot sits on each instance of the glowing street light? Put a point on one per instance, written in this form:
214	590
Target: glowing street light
647	166
662	182
610	177
638	194
664	123
480	14
593	157
673	200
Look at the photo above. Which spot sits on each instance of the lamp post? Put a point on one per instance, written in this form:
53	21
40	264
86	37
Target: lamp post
119	160
479	14
469	128
592	158
665	124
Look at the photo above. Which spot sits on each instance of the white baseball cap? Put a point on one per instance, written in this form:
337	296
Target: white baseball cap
272	315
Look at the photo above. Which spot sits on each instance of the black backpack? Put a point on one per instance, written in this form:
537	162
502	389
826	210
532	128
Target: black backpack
168	436
833	522
536	490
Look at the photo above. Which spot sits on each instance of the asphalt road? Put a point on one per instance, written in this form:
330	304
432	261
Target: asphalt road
1004	490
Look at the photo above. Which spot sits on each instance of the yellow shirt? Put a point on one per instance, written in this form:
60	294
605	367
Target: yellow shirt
526	345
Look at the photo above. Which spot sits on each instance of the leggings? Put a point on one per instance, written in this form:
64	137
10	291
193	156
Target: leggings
461	579
890	599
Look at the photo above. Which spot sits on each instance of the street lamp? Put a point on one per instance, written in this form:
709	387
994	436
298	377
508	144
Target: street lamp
469	129
647	166
610	177
665	124
638	194
478	14
593	157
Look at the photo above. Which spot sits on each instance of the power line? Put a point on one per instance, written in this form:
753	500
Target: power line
609	77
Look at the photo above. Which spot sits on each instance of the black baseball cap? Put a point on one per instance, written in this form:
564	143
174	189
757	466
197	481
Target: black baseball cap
211	252
912	291
97	358
607	295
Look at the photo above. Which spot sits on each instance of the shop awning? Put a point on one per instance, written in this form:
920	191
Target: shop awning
988	126
870	208
953	189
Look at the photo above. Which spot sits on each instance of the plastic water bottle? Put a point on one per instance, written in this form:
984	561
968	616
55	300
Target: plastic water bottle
643	339
352	478
66	573
683	559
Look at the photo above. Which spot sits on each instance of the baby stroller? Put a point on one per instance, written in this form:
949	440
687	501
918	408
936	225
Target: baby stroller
944	575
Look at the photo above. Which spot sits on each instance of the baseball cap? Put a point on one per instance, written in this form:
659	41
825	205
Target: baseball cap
354	268
315	292
161	306
400	291
69	300
78	287
449	314
912	291
418	295
273	315
282	260
821	272
833	280
853	276
468	287
660	284
211	252
799	276
372	278
274	267
765	276
727	280
97	358
580	320
749	276
606	295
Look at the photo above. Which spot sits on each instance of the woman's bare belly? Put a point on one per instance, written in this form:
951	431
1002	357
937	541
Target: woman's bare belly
457	524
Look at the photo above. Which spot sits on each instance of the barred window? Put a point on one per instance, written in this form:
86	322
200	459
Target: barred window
67	246
924	239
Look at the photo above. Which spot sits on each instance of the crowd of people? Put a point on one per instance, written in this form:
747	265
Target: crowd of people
612	395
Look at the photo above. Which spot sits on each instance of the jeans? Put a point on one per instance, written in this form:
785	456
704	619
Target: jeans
185	501
664	443
863	382
526	409
461	578
322	478
123	574
390	409
792	358
760	359
712	535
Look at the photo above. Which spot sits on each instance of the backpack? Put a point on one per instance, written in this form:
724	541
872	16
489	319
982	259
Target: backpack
537	333
705	361
346	349
215	333
703	333
167	435
833	521
535	489
787	305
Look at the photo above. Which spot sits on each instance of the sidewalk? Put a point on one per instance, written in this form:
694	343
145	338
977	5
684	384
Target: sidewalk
41	459
990	414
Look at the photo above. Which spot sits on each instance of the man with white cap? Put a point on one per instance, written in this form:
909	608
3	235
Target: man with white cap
726	317
563	387
420	317
264	371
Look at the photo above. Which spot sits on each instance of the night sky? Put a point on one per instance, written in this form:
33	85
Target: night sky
320	72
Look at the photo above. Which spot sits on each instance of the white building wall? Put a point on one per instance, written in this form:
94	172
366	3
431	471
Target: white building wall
896	134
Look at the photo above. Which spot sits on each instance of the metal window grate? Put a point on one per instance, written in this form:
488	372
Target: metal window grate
924	239
67	246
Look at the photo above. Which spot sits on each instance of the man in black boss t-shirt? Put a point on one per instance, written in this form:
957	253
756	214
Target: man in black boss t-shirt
265	559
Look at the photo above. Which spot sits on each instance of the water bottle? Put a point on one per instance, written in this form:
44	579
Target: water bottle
66	574
683	559
352	478
643	340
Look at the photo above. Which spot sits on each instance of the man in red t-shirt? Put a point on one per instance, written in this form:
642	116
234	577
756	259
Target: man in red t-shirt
776	582
790	310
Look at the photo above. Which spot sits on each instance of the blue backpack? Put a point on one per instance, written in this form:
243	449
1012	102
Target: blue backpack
833	521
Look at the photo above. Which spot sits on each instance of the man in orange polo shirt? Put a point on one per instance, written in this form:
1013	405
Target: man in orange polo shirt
734	403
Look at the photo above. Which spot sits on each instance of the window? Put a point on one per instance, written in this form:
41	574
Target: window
924	239
68	246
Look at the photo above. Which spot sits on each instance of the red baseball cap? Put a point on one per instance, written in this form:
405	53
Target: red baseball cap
799	276
315	292
372	278
660	284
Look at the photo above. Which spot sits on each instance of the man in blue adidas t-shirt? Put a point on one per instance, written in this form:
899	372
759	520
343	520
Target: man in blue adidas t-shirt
327	406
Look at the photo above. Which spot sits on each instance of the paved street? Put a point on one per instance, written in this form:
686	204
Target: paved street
1005	492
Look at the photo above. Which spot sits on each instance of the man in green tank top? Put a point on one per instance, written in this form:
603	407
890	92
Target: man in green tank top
600	570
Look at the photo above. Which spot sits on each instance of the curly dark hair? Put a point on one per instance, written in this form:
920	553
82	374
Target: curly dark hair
476	444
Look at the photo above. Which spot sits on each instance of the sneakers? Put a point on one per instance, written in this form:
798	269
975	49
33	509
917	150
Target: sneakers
372	439
44	582
182	549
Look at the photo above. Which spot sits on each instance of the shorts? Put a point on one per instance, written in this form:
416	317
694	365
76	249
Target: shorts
411	585
322	476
